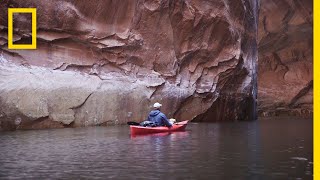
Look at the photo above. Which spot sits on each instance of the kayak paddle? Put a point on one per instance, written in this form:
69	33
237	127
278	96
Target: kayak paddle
133	123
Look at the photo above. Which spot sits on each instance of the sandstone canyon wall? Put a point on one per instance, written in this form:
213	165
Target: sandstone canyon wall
285	71
106	62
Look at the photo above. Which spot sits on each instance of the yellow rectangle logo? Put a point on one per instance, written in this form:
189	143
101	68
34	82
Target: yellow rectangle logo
33	12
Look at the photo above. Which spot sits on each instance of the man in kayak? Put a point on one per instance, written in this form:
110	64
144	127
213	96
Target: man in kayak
157	117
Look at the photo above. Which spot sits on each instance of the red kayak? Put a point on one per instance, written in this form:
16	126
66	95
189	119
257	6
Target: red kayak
180	126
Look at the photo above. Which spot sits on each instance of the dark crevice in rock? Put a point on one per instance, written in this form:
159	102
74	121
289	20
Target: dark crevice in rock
264	25
39	123
71	125
61	67
32	122
77	108
230	105
80	105
157	89
301	93
182	104
79	67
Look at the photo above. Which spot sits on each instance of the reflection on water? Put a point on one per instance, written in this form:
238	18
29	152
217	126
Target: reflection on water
267	149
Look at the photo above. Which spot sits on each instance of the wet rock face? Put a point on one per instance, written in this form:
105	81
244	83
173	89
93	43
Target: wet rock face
285	57
106	62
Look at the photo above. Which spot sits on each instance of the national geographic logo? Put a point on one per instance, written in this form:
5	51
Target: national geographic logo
33	12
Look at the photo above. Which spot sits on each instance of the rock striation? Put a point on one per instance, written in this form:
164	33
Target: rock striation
106	62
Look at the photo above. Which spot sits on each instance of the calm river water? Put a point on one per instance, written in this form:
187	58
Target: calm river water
269	148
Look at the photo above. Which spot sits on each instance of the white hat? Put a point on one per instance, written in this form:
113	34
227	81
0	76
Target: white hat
157	105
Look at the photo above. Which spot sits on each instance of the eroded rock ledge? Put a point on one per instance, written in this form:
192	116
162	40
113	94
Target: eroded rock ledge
105	62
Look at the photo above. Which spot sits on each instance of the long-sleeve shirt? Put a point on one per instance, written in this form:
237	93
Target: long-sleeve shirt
158	118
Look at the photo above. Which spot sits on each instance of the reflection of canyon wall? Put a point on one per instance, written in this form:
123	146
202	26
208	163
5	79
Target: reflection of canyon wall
285	57
105	62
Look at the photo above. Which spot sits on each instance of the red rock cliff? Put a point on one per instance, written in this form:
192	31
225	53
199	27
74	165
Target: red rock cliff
106	62
285	57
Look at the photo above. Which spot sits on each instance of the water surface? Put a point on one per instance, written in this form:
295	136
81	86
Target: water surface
271	148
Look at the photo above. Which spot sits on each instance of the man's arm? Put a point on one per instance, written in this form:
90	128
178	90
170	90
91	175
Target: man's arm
165	120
